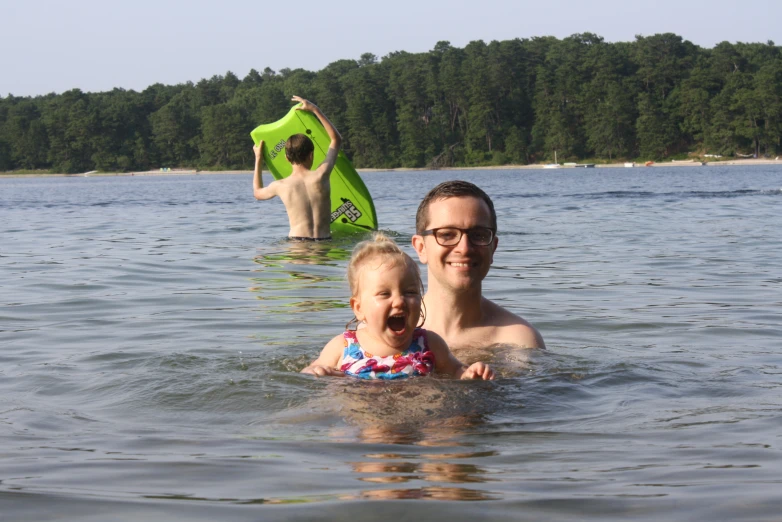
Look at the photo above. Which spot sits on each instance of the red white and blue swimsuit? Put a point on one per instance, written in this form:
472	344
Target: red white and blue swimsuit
416	360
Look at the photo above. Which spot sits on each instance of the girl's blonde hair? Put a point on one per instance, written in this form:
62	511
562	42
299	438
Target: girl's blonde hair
380	246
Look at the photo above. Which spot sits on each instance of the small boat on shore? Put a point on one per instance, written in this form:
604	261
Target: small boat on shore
554	165
629	164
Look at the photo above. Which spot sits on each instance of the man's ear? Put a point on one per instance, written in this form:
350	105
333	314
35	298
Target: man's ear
420	247
494	248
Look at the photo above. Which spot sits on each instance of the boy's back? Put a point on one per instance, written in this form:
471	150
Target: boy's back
307	198
306	193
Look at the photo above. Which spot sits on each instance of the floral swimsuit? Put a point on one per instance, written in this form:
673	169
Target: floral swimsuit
416	360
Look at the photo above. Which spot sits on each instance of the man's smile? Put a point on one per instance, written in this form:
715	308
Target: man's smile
462	264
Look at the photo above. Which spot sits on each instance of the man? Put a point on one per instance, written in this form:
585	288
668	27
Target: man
456	236
306	193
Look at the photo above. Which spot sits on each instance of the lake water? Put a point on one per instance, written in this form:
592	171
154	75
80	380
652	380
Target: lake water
152	330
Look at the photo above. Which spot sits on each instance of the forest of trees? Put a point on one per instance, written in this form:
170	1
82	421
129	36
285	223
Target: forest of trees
514	101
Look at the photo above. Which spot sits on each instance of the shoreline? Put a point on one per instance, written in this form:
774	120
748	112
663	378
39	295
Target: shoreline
537	166
540	166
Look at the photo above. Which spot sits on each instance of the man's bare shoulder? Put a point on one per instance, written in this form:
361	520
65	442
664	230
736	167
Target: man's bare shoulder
509	328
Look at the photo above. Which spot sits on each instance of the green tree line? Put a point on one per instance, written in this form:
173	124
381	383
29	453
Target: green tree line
514	101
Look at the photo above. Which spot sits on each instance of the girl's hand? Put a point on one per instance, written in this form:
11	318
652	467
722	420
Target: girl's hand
479	370
327	361
322	371
258	149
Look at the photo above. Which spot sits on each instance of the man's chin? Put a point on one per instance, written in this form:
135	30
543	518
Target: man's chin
464	279
459	280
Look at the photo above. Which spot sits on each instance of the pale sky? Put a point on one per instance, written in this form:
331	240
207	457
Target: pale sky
96	45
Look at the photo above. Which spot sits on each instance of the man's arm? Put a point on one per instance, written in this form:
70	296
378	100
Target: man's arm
259	191
331	130
522	335
510	328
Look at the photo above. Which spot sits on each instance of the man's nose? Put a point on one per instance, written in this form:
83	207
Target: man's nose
464	244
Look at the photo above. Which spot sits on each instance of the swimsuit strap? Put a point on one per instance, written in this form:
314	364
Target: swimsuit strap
419	335
352	347
350	337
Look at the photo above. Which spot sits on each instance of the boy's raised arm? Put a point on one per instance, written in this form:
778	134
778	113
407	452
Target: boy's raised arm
331	130
259	191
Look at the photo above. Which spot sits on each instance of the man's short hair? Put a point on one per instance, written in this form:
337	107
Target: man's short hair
447	190
298	148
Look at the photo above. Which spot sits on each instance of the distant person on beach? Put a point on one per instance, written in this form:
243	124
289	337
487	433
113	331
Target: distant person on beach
306	193
386	294
456	236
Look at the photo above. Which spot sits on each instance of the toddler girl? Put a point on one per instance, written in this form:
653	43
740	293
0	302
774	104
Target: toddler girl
386	296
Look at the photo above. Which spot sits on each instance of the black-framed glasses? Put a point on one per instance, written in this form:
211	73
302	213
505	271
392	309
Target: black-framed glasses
450	236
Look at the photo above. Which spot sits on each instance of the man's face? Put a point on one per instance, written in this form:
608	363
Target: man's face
462	266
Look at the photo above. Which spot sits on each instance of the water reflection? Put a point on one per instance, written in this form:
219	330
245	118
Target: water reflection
437	432
306	253
428	493
422	411
427	467
301	277
396	472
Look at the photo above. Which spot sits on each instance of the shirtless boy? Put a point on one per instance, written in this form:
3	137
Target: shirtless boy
306	193
456	236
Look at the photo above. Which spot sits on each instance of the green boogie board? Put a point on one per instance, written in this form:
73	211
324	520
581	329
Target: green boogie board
352	209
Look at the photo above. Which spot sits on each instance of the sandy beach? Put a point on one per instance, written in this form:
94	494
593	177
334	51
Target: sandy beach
192	172
680	163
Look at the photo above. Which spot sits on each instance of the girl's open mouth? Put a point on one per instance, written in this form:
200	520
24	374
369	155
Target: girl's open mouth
396	323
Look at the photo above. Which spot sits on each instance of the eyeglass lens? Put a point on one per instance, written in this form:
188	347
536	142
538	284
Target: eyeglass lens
452	236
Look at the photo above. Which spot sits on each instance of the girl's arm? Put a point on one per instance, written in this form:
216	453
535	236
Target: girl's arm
326	363
446	362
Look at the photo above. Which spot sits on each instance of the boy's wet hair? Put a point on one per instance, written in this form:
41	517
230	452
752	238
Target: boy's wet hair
298	148
452	189
386	250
